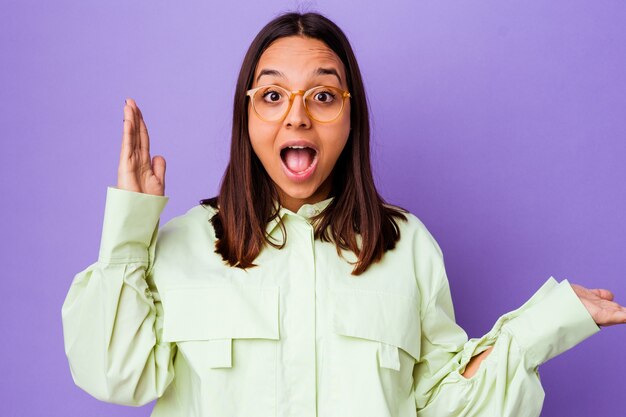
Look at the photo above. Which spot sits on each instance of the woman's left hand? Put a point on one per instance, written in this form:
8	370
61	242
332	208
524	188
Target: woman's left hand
599	302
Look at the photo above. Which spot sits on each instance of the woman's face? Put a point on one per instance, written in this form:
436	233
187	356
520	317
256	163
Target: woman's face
301	175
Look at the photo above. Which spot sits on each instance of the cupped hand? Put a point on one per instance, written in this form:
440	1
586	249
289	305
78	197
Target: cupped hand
137	171
599	302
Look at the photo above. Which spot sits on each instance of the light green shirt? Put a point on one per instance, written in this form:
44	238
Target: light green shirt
160	315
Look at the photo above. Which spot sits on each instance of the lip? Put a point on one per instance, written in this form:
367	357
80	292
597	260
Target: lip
300	142
307	173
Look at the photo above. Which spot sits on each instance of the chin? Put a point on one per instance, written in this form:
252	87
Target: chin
299	192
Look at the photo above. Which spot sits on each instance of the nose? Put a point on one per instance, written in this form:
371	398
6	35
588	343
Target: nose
297	115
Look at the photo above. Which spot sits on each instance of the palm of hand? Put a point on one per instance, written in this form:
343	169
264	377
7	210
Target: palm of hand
137	171
599	302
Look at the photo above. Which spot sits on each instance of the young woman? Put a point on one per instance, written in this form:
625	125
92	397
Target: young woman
297	291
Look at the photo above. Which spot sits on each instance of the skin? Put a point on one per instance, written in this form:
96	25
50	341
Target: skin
297	57
137	171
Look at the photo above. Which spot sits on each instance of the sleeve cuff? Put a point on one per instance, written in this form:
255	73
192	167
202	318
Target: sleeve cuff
130	223
553	321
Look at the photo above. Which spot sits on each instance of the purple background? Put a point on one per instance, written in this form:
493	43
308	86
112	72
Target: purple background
500	124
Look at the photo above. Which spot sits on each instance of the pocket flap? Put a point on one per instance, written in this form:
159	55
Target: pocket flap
220	312
379	316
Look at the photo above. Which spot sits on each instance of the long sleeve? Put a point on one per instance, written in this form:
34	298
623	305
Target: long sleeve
507	382
112	314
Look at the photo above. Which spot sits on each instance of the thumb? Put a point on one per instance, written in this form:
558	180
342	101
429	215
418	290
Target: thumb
602	293
158	166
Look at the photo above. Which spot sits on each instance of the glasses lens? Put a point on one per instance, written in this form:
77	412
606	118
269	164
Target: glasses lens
271	102
324	103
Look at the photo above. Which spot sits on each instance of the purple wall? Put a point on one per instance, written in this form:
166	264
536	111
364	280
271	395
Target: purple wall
500	124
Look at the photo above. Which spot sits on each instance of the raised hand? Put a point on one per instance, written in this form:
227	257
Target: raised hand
137	171
600	304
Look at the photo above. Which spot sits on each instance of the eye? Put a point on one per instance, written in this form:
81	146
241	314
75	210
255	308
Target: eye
325	96
273	95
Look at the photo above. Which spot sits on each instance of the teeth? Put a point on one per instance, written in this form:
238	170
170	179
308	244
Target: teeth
297	147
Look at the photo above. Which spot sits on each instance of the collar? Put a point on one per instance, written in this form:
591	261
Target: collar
306	211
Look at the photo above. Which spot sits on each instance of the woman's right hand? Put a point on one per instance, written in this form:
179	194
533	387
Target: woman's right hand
137	171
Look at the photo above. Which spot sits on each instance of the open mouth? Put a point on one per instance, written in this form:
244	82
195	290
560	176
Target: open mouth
299	161
298	158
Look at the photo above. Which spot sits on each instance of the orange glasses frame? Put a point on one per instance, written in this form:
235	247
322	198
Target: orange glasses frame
305	93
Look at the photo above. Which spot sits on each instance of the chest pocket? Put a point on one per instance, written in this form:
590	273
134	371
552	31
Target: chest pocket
374	346
391	320
228	337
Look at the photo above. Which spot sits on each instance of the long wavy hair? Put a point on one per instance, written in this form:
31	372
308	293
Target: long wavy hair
245	203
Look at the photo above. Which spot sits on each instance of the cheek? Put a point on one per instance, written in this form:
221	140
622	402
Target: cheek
340	137
332	150
262	138
344	126
259	138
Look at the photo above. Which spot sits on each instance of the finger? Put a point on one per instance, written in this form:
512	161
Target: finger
137	123
158	166
135	119
610	316
619	317
143	136
127	136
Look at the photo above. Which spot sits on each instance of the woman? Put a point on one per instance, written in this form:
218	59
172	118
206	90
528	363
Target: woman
297	291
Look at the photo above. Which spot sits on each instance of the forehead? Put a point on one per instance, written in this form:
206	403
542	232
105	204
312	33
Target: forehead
297	57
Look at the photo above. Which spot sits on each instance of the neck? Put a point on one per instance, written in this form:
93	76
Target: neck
294	203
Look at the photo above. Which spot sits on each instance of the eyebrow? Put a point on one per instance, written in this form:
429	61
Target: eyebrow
318	71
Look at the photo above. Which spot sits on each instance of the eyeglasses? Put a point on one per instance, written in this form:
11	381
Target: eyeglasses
322	103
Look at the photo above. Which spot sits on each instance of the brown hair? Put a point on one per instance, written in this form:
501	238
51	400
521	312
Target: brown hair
247	193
